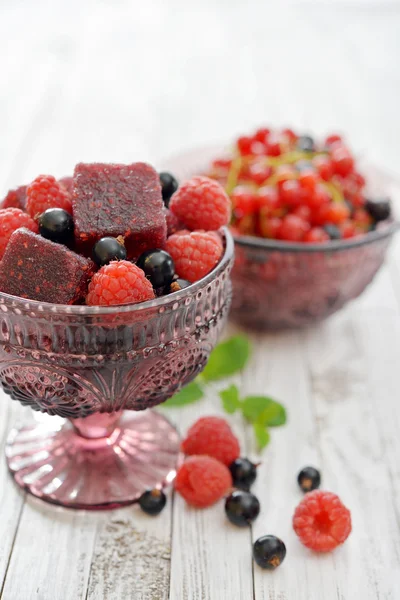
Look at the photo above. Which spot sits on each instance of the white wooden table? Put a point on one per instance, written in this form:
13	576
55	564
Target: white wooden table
116	80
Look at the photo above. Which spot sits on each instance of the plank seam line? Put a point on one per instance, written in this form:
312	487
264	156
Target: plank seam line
12	545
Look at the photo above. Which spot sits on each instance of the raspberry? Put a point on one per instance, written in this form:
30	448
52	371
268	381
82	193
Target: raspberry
201	203
119	282
195	254
173	223
10	220
67	183
202	481
45	192
15	198
212	436
321	521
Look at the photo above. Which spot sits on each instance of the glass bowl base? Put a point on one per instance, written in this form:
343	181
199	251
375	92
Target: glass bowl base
55	463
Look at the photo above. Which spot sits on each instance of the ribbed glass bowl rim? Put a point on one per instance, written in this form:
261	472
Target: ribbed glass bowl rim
43	307
256	243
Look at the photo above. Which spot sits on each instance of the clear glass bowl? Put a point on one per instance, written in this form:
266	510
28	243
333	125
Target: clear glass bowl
279	284
91	367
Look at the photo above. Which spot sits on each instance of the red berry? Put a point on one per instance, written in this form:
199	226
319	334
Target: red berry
201	203
195	254
308	179
318	197
321	521
46	192
273	146
316	234
270	226
244	145
119	282
335	212
348	229
244	201
261	135
173	223
212	436
258	149
362	218
259	173
289	134
12	219
68	183
268	199
15	198
342	161
284	173
202	480
303	211
222	164
323	166
357	200
331	139
291	193
293	228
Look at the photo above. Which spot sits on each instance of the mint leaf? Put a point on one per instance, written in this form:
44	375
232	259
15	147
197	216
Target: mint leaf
262	435
227	358
189	394
264	410
230	399
274	415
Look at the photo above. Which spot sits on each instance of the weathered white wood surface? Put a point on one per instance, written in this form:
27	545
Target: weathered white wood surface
121	80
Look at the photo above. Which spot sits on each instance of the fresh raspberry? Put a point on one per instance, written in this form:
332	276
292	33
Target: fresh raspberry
214	437
321	521
15	198
202	480
195	254
119	282
10	220
173	223
46	192
201	203
68	183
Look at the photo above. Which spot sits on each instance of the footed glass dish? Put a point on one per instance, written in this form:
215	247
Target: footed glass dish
96	370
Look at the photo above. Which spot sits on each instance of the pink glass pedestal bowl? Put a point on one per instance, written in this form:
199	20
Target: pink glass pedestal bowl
98	368
279	285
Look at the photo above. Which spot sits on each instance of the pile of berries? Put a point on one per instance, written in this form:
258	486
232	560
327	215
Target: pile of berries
288	187
214	470
127	233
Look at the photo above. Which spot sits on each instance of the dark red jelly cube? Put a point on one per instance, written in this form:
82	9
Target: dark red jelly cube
38	269
113	200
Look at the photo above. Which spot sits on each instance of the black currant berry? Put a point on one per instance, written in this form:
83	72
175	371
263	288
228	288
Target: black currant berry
158	267
378	209
153	501
269	552
309	479
242	508
333	232
304	165
56	224
169	185
108	249
177	285
305	143
243	472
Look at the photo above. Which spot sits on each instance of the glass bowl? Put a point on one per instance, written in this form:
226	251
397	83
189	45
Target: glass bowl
279	285
95	370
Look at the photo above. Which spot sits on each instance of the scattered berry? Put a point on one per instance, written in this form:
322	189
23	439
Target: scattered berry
108	249
201	203
379	210
309	479
119	282
46	192
15	198
202	480
158	267
10	220
212	436
57	225
152	502
269	552
243	472
242	508
169	185
195	254
321	521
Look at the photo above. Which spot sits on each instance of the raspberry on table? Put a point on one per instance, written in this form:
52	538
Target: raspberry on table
202	481
201	203
119	282
195	254
212	436
12	219
15	198
46	192
321	521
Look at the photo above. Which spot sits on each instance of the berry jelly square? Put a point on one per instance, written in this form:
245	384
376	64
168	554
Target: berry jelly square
38	269
113	200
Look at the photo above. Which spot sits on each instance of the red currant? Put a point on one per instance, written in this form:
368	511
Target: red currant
293	228
258	149
270	226
222	163
290	135
291	193
308	179
273	146
323	166
335	212
316	234
268	199
318	197
303	211
261	135
348	229
259	173
244	201
361	218
331	139
342	161
244	145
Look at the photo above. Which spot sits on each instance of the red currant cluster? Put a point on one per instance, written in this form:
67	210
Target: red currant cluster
286	186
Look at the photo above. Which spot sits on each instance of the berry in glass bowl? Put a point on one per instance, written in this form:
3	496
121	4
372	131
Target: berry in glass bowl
310	230
93	343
